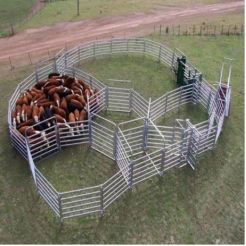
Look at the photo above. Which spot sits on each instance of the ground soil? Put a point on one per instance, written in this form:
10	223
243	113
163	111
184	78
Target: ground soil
53	37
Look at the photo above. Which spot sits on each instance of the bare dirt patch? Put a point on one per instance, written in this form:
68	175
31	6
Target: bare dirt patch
33	40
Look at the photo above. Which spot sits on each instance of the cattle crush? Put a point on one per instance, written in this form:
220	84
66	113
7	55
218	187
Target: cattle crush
141	151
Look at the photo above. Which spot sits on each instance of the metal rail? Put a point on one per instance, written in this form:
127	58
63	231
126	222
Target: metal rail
123	145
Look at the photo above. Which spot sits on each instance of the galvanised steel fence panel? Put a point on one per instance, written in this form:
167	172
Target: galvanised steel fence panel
171	134
113	188
31	164
138	104
103	136
45	142
119	99
80	202
123	153
27	83
133	139
18	141
98	101
74	133
140	150
61	63
175	154
145	167
47	192
171	101
41	72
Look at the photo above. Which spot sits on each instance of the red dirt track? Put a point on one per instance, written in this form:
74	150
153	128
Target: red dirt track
56	36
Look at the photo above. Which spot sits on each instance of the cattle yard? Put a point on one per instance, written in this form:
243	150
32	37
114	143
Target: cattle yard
142	147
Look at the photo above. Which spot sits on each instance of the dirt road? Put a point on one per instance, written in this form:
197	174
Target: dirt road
56	36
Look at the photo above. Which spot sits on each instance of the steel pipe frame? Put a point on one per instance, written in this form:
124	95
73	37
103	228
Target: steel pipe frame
168	155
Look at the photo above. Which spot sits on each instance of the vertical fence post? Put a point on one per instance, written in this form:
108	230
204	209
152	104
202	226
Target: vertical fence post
58	136
60	207
199	92
101	201
11	65
130	100
215	135
106	97
173	60
55	65
36	74
183	143
131	175
166	102
90	128
116	141
209	100
228	31
160	29
145	134
163	155
78	54
180	97
78	12
174	133
29	56
89	121
159	54
65	61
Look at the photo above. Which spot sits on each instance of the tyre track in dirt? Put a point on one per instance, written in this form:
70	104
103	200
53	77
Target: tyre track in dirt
36	40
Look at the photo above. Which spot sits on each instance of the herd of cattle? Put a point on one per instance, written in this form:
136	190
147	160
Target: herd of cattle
59	99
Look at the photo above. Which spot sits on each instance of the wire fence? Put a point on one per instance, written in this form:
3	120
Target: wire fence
141	148
200	30
45	55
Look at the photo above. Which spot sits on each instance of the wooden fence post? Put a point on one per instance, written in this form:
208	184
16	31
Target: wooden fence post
228	32
101	201
11	65
30	58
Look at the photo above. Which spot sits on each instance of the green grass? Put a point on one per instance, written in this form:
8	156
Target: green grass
13	12
77	167
59	11
185	206
149	78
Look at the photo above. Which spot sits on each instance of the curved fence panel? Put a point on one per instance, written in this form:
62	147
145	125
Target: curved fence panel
119	99
47	192
102	136
18	141
74	133
139	105
80	202
113	188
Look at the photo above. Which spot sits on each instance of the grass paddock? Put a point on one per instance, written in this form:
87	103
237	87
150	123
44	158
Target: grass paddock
185	206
